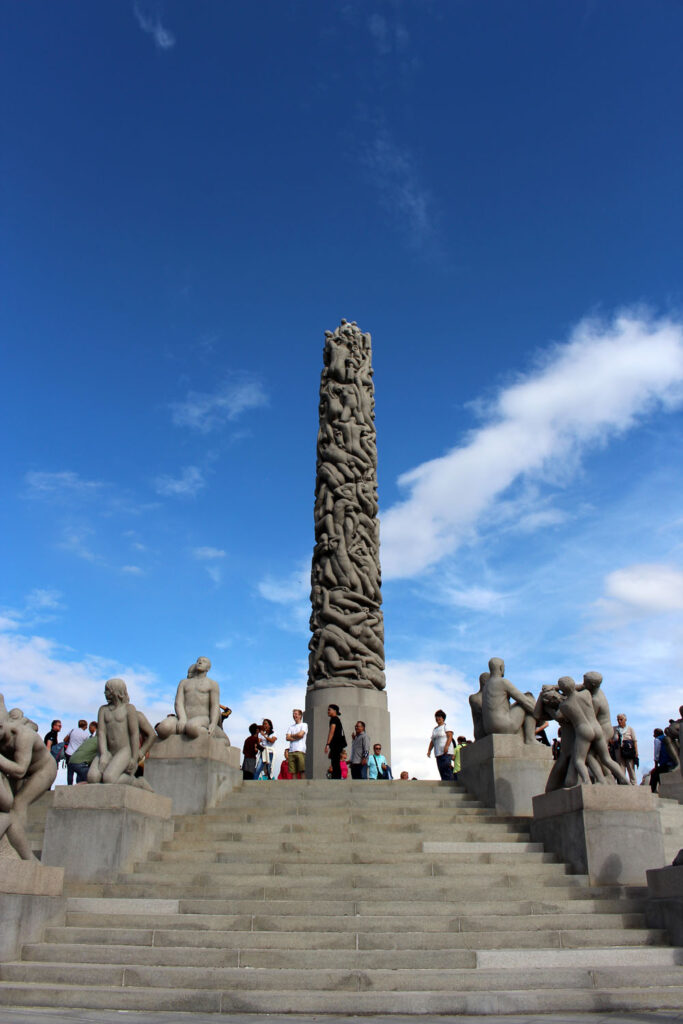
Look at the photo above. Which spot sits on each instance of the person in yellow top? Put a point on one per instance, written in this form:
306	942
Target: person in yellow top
456	755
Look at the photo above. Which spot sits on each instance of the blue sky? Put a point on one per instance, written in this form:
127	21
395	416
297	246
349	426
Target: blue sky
192	194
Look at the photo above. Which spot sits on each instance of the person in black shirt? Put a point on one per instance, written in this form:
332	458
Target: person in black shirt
51	741
249	750
336	740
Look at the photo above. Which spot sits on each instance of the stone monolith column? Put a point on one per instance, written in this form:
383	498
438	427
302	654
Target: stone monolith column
346	661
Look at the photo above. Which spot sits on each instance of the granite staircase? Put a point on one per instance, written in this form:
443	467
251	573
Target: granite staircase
350	898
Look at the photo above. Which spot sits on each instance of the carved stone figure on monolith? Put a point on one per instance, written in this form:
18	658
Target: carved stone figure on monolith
347	646
499	716
27	770
592	681
197	706
123	738
476	700
346	650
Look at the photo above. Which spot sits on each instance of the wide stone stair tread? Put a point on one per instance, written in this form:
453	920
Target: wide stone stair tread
350	899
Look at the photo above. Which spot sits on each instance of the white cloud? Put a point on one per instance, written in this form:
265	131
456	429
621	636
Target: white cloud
46	681
646	588
394	174
42	598
207	553
152	25
581	394
205	411
75	539
292	595
62	484
132	570
190	481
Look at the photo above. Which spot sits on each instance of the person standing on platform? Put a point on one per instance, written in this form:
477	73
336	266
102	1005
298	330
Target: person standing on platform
72	741
441	740
625	747
336	740
360	752
296	737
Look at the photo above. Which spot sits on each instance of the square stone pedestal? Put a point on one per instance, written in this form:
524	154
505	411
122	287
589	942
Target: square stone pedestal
665	901
31	898
195	774
97	831
356	703
505	772
671	786
611	833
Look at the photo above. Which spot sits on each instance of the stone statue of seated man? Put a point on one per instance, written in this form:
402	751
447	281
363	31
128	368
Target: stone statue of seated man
476	700
123	738
197	706
498	714
27	770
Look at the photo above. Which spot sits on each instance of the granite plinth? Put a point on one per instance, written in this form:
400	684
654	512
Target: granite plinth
671	786
97	831
194	774
356	703
505	772
665	901
31	898
611	833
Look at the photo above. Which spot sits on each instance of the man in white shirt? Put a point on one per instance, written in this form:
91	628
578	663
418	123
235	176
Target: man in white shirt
296	737
71	744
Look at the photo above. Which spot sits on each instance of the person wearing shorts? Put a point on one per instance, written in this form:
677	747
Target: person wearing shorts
296	737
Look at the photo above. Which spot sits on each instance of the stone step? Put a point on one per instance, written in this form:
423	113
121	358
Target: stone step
352	825
469	840
429	959
125	933
319	818
594	996
312	979
417	864
307	860
542	926
459	919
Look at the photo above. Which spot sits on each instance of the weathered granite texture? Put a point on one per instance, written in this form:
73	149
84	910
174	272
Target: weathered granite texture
611	833
505	710
665	901
370	706
584	754
95	832
504	772
27	770
194	774
31	898
123	738
671	787
197	707
347	646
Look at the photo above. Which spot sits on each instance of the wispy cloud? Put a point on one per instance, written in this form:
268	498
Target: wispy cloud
76	540
639	590
205	411
599	384
64	484
207	554
132	570
393	172
388	36
189	483
292	594
152	25
39	606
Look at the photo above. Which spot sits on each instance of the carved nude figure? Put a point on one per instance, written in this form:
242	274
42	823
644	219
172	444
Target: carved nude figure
498	715
577	709
476	700
592	681
197	706
27	770
120	743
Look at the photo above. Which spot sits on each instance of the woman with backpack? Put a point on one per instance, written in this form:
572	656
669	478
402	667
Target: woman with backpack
336	740
625	747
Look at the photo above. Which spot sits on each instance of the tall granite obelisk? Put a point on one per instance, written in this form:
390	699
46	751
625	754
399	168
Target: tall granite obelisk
346	661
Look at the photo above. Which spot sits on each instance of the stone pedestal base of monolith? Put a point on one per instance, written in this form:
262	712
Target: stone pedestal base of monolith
31	898
671	786
195	774
665	901
505	772
611	833
97	831
356	703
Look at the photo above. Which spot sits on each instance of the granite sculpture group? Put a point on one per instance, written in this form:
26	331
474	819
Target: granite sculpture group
582	711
